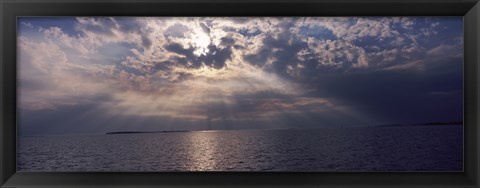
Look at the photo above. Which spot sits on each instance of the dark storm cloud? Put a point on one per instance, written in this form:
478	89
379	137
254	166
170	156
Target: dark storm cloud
187	52
260	58
227	41
288	46
217	60
398	96
178	48
216	57
285	47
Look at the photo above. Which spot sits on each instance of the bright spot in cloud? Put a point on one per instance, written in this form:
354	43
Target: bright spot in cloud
201	41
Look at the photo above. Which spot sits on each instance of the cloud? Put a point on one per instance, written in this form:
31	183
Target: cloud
48	78
216	57
442	49
177	30
237	71
27	24
207	100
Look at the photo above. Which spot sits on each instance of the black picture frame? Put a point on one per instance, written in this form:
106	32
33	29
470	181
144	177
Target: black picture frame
11	9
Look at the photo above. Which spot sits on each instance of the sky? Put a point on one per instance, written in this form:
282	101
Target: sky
91	75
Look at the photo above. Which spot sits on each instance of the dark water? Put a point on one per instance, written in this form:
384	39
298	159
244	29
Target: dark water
405	148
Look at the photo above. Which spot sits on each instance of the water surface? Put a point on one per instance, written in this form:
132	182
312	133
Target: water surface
397	148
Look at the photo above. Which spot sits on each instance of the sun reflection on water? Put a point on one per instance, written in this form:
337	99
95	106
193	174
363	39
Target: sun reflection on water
203	151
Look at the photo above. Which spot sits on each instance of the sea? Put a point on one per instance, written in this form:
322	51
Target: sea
382	148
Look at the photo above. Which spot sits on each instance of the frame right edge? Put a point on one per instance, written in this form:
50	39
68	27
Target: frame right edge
472	91
2	62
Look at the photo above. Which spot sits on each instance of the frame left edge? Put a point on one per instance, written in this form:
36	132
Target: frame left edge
2	179
8	94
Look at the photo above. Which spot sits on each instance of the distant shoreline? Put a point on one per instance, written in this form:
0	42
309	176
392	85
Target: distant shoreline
387	125
139	132
430	123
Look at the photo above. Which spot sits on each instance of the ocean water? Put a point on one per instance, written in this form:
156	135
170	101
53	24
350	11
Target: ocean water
395	148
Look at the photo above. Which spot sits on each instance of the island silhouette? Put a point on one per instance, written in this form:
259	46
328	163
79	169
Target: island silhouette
137	132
